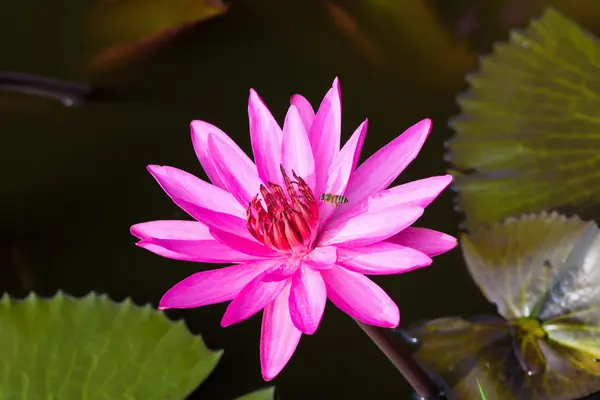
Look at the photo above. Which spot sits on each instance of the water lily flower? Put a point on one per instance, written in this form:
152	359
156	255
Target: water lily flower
291	251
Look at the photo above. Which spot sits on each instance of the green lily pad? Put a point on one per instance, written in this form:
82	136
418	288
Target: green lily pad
543	273
262	394
93	348
528	138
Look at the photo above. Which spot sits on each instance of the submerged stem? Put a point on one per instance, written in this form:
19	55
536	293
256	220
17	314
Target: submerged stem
68	93
421	383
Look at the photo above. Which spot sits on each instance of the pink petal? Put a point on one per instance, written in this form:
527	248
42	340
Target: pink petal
296	153
243	244
266	138
180	230
346	160
413	194
422	192
325	134
255	296
221	221
184	188
322	257
307	114
278	336
185	240
307	299
284	271
368	224
425	240
381	258
361	298
241	180
200	132
383	167
342	167
213	286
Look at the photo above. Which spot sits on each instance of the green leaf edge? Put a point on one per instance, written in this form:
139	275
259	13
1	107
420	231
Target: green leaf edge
60	295
260	394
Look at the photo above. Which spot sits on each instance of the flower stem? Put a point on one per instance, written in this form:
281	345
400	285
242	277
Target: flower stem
421	383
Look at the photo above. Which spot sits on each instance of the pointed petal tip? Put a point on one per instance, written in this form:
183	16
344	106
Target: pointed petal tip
297	98
310	330
363	128
134	230
392	319
423	126
163	304
449	241
448	177
255	102
153	167
452	241
255	98
229	318
195	122
269	375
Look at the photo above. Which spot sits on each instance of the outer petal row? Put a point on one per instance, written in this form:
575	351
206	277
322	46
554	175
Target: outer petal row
342	168
266	136
307	299
370	223
325	134
425	240
279	336
296	152
186	240
383	214
361	298
383	167
200	133
213	286
383	258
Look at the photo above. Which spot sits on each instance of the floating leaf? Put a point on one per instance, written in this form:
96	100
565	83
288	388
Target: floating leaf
529	136
130	29
93	348
543	273
263	394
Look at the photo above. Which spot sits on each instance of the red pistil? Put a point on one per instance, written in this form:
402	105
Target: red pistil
288	219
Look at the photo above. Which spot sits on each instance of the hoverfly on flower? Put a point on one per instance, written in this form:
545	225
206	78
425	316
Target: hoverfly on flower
333	199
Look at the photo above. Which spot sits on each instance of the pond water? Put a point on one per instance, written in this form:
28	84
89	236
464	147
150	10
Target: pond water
74	179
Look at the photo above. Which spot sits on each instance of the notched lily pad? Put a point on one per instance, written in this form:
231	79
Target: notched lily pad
543	273
93	348
528	138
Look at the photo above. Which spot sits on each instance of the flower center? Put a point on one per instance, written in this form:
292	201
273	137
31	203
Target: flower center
288	219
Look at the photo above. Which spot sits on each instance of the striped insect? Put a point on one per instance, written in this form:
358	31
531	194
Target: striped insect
333	199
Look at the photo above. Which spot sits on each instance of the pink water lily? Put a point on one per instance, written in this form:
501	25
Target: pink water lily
290	251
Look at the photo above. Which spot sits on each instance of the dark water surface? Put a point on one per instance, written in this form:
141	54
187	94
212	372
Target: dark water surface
74	179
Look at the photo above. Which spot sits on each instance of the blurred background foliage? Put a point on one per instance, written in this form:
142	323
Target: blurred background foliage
74	178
